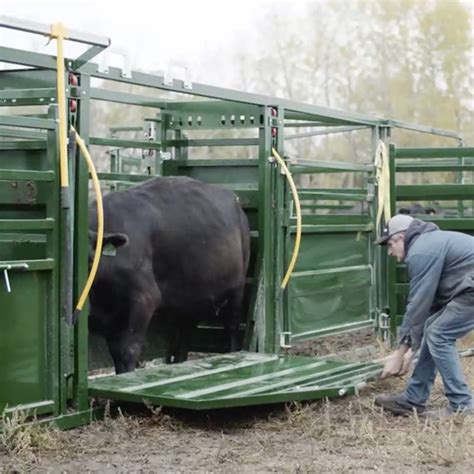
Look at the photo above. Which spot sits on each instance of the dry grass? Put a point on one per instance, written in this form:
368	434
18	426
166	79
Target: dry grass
22	438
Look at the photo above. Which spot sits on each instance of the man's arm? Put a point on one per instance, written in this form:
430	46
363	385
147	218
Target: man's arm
425	271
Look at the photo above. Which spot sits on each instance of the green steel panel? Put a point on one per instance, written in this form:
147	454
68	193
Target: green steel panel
23	191
332	250
22	246
24	371
235	379
327	301
23	159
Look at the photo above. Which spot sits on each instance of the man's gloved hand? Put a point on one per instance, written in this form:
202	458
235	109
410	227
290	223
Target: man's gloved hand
398	363
393	365
407	360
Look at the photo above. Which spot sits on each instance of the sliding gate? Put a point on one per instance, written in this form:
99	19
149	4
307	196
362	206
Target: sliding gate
331	289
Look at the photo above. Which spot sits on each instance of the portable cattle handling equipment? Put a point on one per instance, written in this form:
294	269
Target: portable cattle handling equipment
340	282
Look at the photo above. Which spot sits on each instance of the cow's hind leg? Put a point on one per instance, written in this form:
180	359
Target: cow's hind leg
232	318
178	336
126	345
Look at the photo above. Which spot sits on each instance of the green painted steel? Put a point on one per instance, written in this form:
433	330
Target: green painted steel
458	152
236	379
435	192
29	337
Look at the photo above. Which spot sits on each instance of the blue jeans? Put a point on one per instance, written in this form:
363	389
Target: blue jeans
438	352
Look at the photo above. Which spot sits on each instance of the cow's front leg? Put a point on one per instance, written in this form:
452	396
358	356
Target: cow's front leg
126	345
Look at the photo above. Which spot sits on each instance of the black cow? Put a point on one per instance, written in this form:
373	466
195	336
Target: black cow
173	247
417	209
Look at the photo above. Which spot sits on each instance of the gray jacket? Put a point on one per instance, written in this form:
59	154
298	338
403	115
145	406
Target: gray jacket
440	266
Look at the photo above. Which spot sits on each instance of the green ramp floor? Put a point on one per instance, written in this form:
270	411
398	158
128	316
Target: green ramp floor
236	379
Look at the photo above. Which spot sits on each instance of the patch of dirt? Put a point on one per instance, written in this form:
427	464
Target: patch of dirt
347	434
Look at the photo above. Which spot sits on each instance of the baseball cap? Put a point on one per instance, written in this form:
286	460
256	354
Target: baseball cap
396	224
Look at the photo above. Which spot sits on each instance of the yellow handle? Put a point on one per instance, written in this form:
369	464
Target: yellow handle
59	32
100	224
296	199
383	179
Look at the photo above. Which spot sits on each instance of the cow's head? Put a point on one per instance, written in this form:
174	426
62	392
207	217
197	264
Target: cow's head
110	244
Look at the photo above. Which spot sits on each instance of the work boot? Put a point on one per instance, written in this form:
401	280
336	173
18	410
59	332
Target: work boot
398	404
448	412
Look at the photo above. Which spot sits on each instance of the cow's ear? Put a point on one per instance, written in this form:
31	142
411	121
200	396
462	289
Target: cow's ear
116	240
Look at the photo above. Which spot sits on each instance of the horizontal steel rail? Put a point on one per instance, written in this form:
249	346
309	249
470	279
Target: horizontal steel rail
23	145
327	131
26	175
125	143
45	30
329	229
17	133
457	152
27	122
308	166
432	167
435	191
32	265
127	98
26	224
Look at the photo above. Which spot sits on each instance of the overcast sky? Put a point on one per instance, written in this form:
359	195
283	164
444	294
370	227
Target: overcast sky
203	35
153	33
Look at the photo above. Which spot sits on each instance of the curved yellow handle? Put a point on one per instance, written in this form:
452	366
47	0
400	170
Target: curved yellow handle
296	199
383	180
59	32
100	224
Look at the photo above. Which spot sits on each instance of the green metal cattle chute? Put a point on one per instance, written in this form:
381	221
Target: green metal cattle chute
340	282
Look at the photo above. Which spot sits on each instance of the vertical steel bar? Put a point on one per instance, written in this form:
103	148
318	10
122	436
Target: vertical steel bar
266	230
81	248
280	233
392	265
54	382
